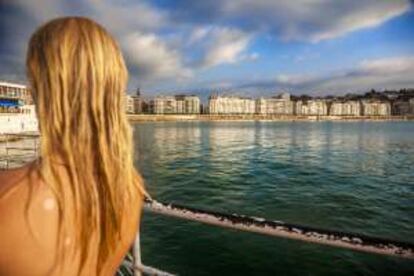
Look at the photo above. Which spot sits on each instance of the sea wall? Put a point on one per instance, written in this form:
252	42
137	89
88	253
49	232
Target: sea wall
24	123
256	117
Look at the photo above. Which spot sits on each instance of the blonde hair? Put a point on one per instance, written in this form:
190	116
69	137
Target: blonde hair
78	78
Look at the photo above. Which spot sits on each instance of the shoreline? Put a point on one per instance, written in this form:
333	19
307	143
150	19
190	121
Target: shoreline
255	117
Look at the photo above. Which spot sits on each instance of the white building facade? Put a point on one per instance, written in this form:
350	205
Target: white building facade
317	107
231	105
279	105
128	104
347	108
401	107
180	104
376	108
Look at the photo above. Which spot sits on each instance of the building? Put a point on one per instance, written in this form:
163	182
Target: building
138	102
28	109
188	104
311	107
13	96
164	105
412	106
401	107
281	105
134	104
345	108
129	104
231	105
179	104
376	108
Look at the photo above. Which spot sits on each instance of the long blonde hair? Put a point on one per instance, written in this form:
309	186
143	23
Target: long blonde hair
78	78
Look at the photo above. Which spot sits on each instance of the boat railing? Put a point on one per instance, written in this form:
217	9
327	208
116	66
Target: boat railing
275	228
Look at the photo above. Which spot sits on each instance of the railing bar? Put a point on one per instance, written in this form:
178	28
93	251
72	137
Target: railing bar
137	254
340	239
148	270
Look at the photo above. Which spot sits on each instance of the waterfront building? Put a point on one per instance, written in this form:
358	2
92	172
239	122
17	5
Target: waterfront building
376	108
16	109
138	102
345	108
179	104
281	105
412	106
231	105
188	104
311	107
164	105
129	104
401	107
13	96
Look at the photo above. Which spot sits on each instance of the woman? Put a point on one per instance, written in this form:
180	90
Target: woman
75	211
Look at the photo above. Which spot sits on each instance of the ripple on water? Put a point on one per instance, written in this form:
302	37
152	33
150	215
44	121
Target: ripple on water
351	176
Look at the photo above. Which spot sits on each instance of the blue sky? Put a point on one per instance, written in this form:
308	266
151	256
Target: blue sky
245	47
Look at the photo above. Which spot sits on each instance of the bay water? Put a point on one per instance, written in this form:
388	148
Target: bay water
349	176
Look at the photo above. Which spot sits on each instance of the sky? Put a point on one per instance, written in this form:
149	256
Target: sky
237	47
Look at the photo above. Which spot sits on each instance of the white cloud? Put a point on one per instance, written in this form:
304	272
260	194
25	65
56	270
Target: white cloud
294	79
363	15
198	34
388	66
152	59
386	73
127	17
224	45
303	20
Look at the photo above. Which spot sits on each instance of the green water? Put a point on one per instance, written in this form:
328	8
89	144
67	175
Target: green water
351	176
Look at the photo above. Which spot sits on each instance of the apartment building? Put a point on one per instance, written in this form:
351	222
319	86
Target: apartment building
231	105
311	107
345	108
281	105
179	104
376	108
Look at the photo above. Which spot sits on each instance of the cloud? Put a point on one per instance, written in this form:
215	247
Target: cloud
127	16
360	15
156	48
152	59
224	45
386	66
301	20
387	73
121	19
173	45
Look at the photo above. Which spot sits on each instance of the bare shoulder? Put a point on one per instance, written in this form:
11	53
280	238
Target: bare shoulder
21	227
11	178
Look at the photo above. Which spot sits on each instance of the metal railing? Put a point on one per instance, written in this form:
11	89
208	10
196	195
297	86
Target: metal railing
340	239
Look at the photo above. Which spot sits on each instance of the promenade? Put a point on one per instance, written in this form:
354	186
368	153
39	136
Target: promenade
256	117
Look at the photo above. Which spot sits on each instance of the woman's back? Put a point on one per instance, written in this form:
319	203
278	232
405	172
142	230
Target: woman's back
29	227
